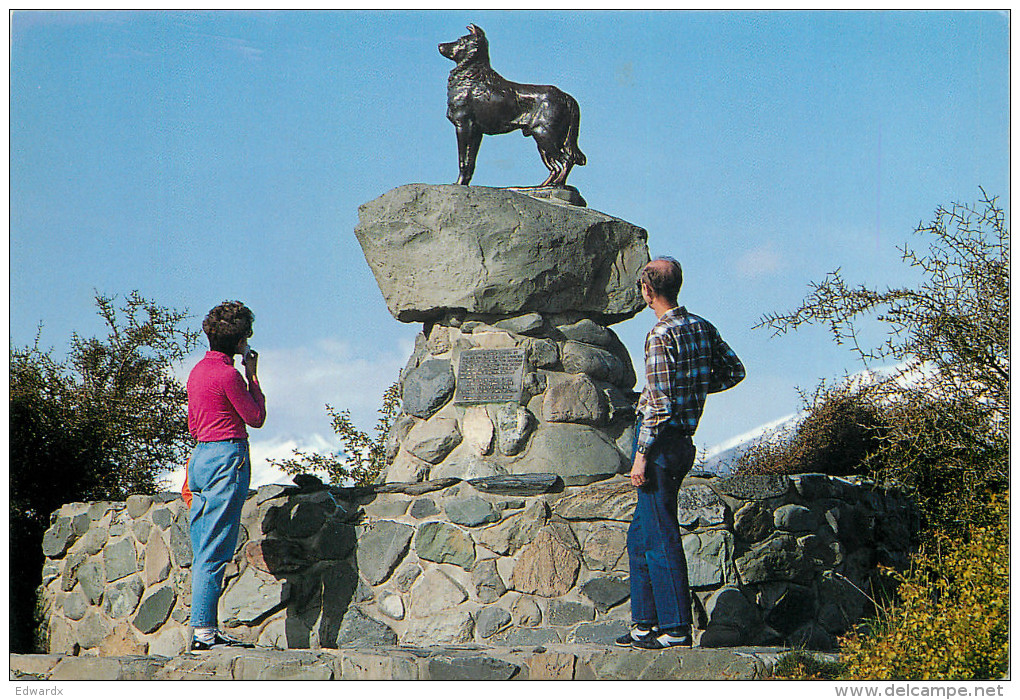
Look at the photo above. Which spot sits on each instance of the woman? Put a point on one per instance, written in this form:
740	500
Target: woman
220	403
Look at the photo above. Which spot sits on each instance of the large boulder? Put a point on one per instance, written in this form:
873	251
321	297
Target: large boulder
436	249
578	454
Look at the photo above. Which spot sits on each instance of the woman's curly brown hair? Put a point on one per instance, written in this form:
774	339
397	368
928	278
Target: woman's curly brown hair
226	325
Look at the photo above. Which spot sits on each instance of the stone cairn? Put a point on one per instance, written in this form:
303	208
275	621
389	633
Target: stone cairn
497	523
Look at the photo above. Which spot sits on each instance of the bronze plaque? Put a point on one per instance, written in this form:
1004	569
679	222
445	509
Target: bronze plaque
490	376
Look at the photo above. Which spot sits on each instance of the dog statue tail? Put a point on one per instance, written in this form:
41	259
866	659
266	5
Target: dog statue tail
571	148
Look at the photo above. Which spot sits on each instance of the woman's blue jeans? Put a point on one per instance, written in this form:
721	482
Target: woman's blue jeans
218	476
659	594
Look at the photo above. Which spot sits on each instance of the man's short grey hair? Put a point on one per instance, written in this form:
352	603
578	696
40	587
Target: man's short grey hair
664	280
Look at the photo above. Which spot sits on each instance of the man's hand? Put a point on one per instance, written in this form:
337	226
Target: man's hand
637	472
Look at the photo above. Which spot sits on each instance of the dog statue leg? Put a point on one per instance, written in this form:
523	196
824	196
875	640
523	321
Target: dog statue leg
561	177
547	150
468	141
551	165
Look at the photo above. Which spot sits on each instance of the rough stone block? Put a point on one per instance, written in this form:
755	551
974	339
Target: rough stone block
155	609
369	666
252	596
520	485
433	439
526	324
449	627
122	597
92	630
794	518
168	642
565	613
776	559
435	592
392	605
381	548
754	487
580	358
443	543
547	567
515	531
282	666
58	538
428	388
613	499
75	604
69	569
180	542
576	400
579	454
92	580
475	668
441	248
527	637
599	632
794	607
698	504
33	666
157	561
478	430
708	554
489	586
491	620
526	612
513	425
753	522
138	505
552	666
423	508
161	518
406	576
336	540
587	331
123	642
96	538
360	630
606	592
470	511
604	547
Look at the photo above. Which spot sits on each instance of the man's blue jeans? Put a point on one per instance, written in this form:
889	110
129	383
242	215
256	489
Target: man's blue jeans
659	594
218	476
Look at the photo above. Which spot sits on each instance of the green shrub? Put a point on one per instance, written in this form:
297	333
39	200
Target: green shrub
931	449
841	431
951	620
804	666
107	421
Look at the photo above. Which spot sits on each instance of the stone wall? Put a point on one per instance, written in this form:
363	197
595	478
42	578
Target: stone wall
500	560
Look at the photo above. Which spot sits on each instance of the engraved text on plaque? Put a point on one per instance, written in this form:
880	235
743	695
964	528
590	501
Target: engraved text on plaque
490	376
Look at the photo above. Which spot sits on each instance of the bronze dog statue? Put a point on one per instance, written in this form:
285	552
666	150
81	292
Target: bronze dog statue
480	101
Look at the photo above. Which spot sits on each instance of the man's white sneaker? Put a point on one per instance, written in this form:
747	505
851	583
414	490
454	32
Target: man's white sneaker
664	640
636	632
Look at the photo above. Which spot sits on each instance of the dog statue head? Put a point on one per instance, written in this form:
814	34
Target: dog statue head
470	47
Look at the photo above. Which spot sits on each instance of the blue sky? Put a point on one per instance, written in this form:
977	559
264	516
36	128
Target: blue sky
201	156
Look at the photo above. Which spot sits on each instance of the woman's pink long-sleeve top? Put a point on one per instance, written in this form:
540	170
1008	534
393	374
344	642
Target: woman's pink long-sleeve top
220	401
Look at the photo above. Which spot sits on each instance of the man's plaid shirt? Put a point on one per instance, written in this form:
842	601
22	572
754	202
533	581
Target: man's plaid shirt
685	360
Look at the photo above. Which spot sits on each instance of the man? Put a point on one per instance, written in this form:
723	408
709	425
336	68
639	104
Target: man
220	403
685	359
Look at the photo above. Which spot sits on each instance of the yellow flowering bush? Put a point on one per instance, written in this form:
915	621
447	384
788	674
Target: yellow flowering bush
951	618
